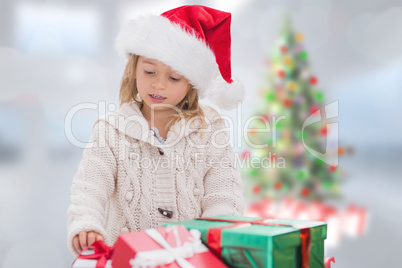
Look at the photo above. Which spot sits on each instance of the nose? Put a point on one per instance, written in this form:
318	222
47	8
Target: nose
160	82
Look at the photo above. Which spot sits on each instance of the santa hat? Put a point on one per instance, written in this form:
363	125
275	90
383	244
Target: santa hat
194	41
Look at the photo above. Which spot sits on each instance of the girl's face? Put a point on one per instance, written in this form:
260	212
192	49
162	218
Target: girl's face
157	83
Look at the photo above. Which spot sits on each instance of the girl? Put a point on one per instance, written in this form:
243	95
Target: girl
162	157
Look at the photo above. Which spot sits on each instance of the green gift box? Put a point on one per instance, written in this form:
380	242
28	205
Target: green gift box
256	242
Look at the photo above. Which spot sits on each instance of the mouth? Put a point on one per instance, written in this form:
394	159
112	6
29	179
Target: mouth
157	97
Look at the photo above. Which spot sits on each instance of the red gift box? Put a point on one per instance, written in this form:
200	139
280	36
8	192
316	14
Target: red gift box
169	247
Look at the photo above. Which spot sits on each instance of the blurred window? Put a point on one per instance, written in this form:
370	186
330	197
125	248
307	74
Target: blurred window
56	28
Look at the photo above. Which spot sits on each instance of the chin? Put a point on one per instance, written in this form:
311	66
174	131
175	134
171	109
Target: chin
161	106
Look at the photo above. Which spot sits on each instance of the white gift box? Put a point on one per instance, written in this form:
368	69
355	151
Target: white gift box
83	263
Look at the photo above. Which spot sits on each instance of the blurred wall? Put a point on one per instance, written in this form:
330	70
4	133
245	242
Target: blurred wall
55	55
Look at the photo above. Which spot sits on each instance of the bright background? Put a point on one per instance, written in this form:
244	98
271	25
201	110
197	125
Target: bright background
57	54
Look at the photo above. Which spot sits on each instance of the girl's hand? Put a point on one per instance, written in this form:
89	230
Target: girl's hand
84	239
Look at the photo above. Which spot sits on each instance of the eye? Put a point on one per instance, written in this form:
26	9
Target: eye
147	72
174	79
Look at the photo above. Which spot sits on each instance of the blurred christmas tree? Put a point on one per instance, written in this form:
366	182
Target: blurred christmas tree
278	165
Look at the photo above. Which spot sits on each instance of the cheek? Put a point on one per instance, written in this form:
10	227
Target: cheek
184	89
180	92
141	83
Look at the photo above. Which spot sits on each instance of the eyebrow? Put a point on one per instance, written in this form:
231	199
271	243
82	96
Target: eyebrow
149	62
146	61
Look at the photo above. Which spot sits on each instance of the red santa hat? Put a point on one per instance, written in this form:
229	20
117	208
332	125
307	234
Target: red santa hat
193	40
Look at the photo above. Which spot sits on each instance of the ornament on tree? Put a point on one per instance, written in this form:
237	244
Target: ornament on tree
314	109
298	161
313	80
302	135
303	55
292	85
326	185
332	168
299	37
278	185
319	96
298	47
245	154
264	118
302	174
256	189
299	99
287	60
270	96
252	131
287	103
281	73
323	131
305	192
254	172
299	148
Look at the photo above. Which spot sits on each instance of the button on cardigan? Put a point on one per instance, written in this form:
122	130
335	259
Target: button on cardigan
123	180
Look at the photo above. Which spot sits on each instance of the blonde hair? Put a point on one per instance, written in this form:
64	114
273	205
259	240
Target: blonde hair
189	106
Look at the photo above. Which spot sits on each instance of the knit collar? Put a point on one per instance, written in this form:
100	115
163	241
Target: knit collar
130	121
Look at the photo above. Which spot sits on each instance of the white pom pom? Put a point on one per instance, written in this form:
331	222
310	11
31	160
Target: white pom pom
227	96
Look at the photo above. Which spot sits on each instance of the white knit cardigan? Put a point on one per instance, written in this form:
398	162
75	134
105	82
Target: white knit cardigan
126	174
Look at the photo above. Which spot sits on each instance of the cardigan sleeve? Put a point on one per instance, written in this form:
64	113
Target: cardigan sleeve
93	184
223	189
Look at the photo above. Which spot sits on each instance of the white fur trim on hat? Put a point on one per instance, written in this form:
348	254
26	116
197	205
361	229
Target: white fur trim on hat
227	96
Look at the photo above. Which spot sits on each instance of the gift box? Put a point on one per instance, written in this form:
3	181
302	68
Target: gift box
169	247
256	242
99	256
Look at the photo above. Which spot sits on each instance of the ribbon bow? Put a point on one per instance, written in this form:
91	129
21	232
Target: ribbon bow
102	253
168	254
